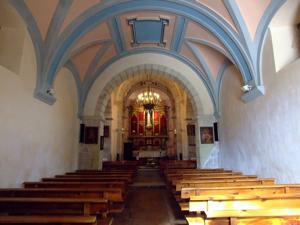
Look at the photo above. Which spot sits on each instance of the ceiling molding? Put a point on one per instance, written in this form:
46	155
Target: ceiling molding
178	33
115	29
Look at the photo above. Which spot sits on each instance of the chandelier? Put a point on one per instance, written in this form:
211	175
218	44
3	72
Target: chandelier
148	98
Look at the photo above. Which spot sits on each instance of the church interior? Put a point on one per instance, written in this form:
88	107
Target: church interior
161	112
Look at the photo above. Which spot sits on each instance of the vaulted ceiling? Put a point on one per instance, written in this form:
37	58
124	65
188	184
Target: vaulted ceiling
88	35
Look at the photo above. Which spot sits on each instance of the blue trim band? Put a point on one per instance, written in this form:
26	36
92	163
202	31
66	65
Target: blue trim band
201	17
179	33
116	34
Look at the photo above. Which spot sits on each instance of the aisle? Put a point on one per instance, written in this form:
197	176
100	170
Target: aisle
148	202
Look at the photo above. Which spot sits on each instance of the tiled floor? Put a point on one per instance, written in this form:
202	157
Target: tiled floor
147	205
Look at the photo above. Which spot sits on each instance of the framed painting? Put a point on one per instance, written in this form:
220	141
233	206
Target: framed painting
91	135
207	135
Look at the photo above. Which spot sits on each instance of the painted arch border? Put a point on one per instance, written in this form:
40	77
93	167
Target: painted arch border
206	19
210	17
184	74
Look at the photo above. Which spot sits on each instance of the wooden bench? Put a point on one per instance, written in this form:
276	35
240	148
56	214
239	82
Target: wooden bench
52	220
102	172
244	206
54	206
186	193
183	170
245	202
115	175
111	194
203	175
178	164
230	182
200	175
210	178
121	185
87	179
258	217
124	165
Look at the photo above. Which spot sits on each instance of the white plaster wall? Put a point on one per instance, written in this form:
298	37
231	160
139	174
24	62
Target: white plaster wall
12	34
205	150
285	34
263	137
286	45
36	140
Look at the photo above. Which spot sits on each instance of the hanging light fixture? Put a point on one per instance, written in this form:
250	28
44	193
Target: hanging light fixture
148	98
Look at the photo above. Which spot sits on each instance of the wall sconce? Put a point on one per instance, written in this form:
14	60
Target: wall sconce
246	88
175	131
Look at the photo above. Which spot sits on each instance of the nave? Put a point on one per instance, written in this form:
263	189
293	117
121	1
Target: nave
176	192
148	201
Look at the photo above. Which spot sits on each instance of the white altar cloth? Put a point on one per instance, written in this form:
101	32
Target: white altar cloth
150	153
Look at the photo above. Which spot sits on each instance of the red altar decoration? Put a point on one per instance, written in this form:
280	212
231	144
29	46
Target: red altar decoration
143	136
163	125
134	126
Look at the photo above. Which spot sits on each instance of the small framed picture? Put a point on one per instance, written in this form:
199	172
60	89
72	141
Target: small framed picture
207	135
91	135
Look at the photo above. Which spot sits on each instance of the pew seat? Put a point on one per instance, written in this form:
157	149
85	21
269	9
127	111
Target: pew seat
52	220
111	194
186	193
114	184
285	216
53	206
74	179
246	202
234	182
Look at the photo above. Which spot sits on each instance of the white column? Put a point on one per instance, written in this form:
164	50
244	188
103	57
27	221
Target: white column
204	151
101	129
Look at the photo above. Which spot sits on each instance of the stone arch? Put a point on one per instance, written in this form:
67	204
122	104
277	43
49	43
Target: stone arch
128	66
104	96
125	91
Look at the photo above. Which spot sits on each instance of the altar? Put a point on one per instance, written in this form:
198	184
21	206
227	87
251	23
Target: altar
149	154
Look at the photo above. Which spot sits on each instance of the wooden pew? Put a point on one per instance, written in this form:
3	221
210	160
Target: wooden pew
200	175
50	220
102	172
184	171
179	172
116	206
121	185
186	193
128	176
230	182
244	206
87	179
208	178
124	165
178	164
256	217
244	202
111	194
53	206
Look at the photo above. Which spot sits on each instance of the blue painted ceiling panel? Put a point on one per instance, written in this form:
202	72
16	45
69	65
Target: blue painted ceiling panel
148	31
